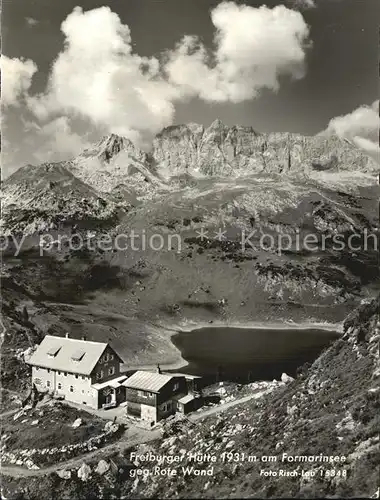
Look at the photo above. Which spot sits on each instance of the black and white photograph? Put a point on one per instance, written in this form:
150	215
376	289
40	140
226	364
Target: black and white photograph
189	238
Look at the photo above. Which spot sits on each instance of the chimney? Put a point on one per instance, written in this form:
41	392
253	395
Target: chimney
158	369
67	335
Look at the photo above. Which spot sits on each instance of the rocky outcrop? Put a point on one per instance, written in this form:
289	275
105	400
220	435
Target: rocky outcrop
222	151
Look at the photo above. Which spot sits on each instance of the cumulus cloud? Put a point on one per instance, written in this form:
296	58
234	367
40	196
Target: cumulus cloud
29	142
16	79
363	121
253	48
361	127
99	77
55	140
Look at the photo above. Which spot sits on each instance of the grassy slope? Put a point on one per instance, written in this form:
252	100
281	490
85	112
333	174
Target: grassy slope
53	427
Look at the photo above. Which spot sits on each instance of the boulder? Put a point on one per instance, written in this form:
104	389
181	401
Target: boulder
279	445
77	423
111	427
18	414
64	474
291	410
31	465
102	467
108	426
286	378
84	472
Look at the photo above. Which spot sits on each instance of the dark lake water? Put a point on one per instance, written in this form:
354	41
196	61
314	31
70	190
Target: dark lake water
249	354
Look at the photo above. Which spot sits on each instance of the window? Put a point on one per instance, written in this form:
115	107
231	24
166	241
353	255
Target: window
76	376
78	355
48	370
59	385
71	388
48	383
59	373
142	394
100	375
111	357
37	368
65	374
83	377
53	351
166	406
176	386
111	370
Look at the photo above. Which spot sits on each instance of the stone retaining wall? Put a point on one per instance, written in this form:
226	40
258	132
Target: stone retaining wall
31	457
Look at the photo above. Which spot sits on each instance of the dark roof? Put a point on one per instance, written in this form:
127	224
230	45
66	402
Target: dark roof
147	381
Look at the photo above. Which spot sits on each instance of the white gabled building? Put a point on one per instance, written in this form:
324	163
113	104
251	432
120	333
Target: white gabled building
81	371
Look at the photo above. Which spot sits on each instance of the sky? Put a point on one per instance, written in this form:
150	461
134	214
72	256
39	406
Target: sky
76	70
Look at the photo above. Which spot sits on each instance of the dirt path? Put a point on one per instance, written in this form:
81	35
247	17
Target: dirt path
218	409
129	439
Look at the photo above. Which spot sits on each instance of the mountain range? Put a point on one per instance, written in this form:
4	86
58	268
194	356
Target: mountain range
116	172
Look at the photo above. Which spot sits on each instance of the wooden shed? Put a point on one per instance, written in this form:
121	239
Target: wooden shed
189	403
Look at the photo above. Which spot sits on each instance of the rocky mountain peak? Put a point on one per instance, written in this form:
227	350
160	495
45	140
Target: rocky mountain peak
111	145
217	125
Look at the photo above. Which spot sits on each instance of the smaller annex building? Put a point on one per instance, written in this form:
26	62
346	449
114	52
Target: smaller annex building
80	371
153	396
